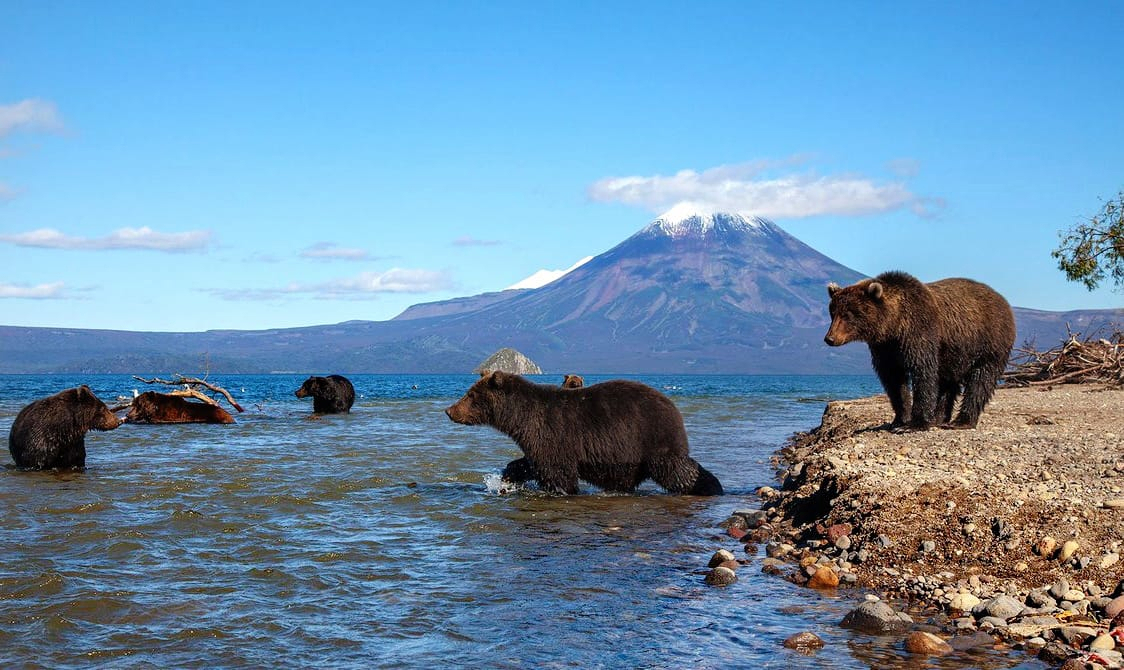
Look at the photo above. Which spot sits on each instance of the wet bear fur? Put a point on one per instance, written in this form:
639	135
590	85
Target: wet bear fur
153	407
333	394
51	432
613	435
928	343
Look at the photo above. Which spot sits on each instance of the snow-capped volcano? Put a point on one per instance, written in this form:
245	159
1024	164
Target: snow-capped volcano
689	220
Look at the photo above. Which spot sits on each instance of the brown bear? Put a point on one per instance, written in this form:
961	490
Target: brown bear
938	339
614	434
51	432
153	407
572	382
333	394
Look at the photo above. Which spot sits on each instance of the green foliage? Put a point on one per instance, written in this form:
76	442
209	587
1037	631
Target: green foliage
1091	251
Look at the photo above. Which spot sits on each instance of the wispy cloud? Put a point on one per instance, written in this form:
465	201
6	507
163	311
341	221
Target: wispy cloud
332	251
466	241
53	291
755	188
7	192
364	286
32	114
143	238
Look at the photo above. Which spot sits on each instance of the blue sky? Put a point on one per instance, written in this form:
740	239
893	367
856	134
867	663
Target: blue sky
201	165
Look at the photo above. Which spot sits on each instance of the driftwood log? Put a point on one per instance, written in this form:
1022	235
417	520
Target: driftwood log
1076	361
189	390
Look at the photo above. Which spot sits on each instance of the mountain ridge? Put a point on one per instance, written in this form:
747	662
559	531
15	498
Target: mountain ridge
688	293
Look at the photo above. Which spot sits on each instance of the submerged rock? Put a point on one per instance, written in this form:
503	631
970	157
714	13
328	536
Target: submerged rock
920	642
804	642
873	617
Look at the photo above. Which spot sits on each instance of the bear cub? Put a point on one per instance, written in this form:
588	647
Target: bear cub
928	343
613	435
51	432
153	407
333	394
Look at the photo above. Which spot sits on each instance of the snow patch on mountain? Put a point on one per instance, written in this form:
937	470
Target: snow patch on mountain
544	277
688	219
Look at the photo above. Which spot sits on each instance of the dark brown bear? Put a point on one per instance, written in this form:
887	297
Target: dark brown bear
153	407
50	432
941	339
614	434
572	382
333	394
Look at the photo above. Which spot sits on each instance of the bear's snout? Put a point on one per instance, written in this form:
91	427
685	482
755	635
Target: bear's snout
829	340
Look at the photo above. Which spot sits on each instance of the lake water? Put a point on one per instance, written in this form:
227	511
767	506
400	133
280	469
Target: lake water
371	540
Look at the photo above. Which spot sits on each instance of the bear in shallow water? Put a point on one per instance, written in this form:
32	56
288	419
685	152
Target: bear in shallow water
928	343
51	432
333	394
153	407
613	435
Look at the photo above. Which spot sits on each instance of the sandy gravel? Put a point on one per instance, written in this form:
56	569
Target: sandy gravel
1043	463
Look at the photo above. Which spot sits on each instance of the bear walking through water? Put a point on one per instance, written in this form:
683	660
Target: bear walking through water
333	394
613	435
153	407
51	432
928	343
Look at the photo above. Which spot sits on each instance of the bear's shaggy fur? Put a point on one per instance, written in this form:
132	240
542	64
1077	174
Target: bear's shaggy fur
936	340
572	382
333	394
614	434
153	407
50	432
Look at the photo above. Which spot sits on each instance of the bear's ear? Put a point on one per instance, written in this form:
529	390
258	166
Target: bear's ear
832	289
874	290
497	379
85	392
485	373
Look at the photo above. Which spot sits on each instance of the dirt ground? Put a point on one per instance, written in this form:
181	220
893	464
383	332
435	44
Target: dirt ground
953	504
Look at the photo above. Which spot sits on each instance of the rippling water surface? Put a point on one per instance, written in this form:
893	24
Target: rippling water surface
371	539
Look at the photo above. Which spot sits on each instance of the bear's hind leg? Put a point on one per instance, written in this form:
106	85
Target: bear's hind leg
684	475
559	479
978	388
946	400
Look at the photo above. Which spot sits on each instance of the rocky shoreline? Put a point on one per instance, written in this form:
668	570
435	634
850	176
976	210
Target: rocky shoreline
1007	534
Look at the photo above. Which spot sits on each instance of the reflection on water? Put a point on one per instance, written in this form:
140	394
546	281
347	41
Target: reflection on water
373	539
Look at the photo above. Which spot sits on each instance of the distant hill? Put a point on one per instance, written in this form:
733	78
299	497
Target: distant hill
716	293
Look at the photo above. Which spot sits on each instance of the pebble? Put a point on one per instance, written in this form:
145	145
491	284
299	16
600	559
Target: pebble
928	546
843	543
1045	546
1059	589
721	556
1001	607
963	602
1068	550
1114	607
873	617
1108	560
824	578
1074	596
1115	503
1102	642
721	577
920	642
805	642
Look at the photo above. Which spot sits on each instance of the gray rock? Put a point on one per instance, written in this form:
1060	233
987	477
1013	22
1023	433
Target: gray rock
1040	599
1002	607
1059	589
874	618
508	360
843	543
1075	636
993	622
885	542
977	639
928	546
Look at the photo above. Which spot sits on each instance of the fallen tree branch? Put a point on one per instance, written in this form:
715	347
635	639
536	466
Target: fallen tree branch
188	391
1076	361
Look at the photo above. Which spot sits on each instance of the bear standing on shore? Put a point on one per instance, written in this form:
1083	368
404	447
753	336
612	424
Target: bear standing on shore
614	434
940	339
333	394
153	407
50	432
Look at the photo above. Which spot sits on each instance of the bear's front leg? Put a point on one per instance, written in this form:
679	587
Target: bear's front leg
519	471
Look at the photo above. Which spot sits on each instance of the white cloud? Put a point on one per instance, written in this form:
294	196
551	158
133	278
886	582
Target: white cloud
123	238
332	251
365	285
32	114
37	292
745	188
544	277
